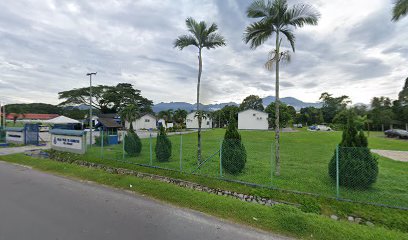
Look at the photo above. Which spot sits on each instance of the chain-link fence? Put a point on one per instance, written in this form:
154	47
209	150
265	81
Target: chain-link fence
353	174
2	135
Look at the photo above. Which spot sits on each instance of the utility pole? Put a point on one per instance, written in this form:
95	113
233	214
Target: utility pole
90	106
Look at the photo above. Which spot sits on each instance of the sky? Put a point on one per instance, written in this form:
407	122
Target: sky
48	46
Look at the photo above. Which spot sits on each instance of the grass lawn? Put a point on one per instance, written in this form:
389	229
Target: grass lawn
282	219
304	155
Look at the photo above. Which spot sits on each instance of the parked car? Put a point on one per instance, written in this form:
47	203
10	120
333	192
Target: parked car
299	125
313	128
396	133
323	128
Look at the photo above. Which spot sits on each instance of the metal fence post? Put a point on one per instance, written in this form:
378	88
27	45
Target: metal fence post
181	152
221	158
271	162
102	140
337	173
123	147
151	151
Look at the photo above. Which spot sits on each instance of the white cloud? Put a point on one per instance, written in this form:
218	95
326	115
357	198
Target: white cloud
48	46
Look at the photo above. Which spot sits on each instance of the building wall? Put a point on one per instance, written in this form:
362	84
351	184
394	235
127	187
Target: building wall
252	120
192	122
145	122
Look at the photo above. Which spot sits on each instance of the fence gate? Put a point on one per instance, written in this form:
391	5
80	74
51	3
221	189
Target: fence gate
31	134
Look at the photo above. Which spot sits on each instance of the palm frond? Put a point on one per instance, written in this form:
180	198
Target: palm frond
214	40
300	15
284	57
213	28
259	9
185	41
400	9
289	36
257	33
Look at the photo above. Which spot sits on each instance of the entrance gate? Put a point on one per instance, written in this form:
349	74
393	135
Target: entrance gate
31	134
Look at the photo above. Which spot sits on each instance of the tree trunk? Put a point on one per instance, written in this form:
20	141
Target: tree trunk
277	134
200	66
382	127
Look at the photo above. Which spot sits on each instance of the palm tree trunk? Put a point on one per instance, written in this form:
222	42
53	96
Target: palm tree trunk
277	103
200	66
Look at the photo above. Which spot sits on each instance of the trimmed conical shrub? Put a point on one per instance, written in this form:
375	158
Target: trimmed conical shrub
233	153
163	146
358	168
133	145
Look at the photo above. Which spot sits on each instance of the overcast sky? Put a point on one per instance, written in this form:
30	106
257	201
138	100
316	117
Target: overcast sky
47	46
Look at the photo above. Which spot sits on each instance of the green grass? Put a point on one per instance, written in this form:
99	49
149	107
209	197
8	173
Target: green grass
279	219
304	155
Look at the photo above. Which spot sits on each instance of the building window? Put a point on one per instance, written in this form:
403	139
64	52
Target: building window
254	114
208	123
147	120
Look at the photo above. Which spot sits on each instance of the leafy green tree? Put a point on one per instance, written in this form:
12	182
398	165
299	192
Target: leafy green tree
252	102
107	99
311	115
130	114
163	146
276	18
333	105
228	112
400	9
233	151
381	111
286	114
167	115
180	116
201	36
41	108
358	168
133	144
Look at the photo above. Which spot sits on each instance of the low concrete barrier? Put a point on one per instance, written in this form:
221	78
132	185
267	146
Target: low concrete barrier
15	135
73	141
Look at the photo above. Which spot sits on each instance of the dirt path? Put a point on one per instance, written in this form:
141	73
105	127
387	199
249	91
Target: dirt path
391	154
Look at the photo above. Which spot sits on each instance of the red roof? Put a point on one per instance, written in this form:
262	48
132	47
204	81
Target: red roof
32	116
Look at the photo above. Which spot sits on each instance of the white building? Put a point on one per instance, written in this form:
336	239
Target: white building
147	121
161	122
192	121
252	120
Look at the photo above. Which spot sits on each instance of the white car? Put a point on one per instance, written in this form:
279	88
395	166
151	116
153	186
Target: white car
322	128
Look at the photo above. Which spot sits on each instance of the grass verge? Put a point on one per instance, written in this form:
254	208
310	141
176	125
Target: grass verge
278	219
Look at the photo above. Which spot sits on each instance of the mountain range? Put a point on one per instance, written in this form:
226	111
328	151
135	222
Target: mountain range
296	103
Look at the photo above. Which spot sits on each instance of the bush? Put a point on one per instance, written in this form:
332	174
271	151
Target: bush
233	152
358	168
133	145
163	146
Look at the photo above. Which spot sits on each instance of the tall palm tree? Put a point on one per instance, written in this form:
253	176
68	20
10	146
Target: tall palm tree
130	114
400	9
201	36
277	18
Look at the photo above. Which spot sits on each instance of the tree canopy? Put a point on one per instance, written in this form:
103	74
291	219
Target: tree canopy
107	99
252	102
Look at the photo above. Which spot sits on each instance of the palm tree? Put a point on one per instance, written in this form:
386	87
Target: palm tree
180	116
201	36
400	9
130	113
277	18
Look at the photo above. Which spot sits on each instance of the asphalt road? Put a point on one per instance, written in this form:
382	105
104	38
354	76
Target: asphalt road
36	205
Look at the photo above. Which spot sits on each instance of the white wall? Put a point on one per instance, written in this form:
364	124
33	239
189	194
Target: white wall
192	121
145	122
252	120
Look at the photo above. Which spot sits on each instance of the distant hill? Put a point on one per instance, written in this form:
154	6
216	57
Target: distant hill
296	103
